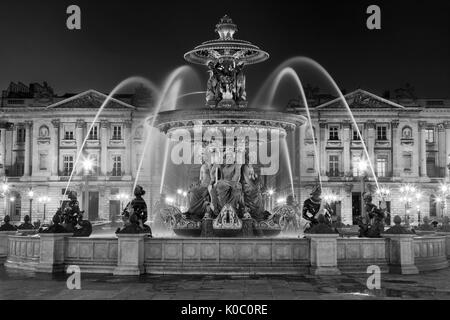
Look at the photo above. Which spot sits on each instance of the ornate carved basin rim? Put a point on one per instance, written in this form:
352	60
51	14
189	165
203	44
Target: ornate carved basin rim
245	117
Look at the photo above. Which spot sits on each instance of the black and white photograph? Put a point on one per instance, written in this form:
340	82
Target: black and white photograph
211	151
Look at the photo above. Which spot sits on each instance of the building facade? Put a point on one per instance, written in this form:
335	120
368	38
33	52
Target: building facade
407	141
41	135
408	144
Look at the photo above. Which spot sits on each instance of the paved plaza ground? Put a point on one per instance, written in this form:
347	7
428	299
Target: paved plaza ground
26	285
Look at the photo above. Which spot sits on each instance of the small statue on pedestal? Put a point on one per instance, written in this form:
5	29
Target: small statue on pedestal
26	225
55	227
7	226
398	228
135	214
375	216
72	217
314	206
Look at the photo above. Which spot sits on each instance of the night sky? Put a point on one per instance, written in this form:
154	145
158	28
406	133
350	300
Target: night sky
148	38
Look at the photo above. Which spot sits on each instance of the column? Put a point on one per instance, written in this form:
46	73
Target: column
104	147
395	147
346	150
128	144
371	141
423	149
55	145
2	149
322	148
447	147
27	162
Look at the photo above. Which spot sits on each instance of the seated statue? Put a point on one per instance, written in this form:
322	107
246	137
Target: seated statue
55	227
322	226
426	226
228	187
375	224
252	193
7	226
398	228
72	217
314	206
26	225
135	215
198	194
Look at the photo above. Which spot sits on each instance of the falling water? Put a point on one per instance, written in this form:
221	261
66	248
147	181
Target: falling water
166	89
121	85
163	174
288	162
291	72
316	65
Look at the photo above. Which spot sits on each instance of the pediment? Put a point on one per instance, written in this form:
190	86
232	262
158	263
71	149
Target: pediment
90	99
361	99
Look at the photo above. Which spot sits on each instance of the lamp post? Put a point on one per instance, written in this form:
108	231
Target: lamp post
362	167
444	192
408	192
30	196
88	165
44	200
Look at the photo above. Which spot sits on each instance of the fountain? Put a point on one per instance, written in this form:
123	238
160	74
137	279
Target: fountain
230	143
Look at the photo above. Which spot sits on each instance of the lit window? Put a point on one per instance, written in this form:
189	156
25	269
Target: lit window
381	166
117	133
67	165
429	135
334	133
93	134
117	166
382	133
334	166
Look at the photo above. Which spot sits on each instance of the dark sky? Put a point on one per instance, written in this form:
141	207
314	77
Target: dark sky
123	38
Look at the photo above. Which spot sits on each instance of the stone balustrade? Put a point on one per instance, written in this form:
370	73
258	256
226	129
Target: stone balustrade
94	255
430	253
356	254
319	254
23	252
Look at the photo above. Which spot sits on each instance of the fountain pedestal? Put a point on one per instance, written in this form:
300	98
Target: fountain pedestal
130	259
323	254
4	244
52	247
401	253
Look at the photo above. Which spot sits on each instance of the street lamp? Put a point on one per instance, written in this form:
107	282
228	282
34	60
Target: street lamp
408	193
30	196
443	195
122	197
362	165
44	200
87	164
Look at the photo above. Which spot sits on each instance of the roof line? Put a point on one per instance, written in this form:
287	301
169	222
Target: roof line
365	92
88	92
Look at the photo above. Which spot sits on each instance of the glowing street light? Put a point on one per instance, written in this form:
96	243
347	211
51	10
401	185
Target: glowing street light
270	192
170	200
5	187
88	164
281	200
30	196
44	200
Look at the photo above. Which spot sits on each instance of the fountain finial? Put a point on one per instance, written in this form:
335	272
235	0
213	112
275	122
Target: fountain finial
226	28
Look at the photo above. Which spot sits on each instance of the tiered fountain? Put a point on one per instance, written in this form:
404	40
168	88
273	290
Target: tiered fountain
229	141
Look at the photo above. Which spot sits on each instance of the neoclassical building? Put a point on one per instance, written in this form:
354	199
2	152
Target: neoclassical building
41	134
407	139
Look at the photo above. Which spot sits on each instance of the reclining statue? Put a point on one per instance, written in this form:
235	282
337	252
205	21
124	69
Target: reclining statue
314	206
374	224
72	217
